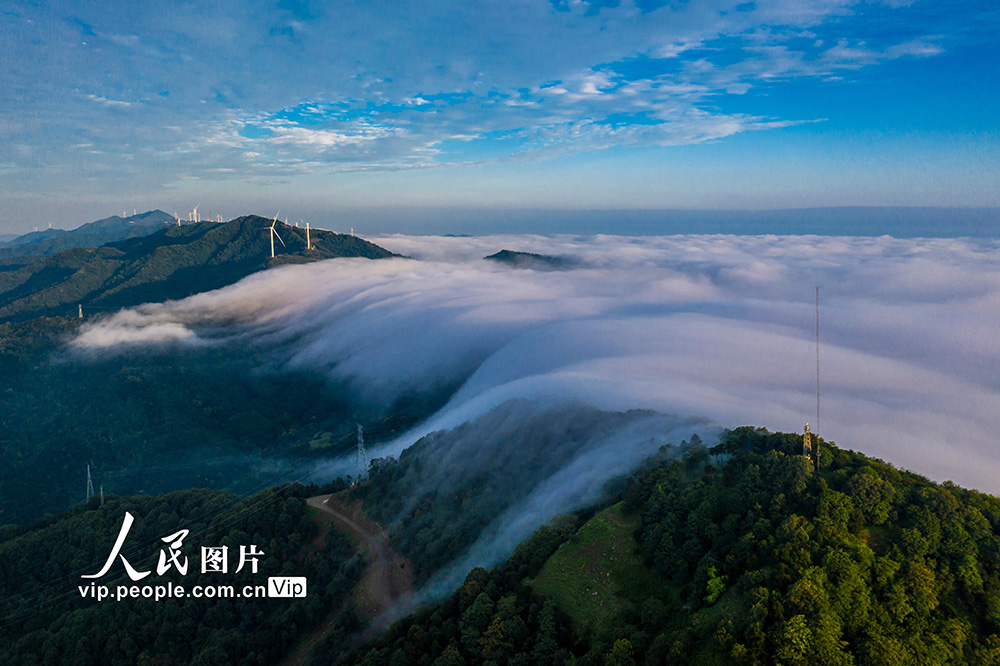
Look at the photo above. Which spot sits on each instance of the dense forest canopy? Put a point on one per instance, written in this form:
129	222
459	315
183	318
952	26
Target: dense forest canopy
762	561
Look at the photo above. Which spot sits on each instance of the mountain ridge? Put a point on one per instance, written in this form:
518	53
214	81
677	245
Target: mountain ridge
92	234
171	263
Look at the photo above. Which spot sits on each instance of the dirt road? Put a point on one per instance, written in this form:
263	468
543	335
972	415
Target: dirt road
389	577
386	584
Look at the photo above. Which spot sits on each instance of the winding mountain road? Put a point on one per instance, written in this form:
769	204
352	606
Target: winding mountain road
389	577
385	586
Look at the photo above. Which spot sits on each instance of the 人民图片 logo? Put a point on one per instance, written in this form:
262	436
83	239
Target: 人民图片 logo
214	560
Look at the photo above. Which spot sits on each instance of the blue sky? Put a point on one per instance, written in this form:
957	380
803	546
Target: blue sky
320	108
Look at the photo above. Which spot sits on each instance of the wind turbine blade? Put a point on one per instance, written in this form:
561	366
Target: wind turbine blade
279	237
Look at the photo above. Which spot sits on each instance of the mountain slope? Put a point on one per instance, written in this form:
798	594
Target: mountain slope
93	234
738	555
742	554
172	263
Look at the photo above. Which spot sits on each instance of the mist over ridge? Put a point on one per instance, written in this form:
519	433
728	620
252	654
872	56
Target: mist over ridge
719	328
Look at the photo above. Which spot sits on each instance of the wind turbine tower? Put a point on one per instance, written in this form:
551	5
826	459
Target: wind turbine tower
90	485
274	232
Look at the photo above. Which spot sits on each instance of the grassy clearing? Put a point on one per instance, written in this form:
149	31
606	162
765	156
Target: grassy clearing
596	576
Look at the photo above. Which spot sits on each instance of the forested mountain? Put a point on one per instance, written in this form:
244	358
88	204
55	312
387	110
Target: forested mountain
172	263
741	554
92	234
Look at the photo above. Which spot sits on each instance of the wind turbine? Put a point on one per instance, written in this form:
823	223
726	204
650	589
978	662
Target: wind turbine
194	214
309	244
274	232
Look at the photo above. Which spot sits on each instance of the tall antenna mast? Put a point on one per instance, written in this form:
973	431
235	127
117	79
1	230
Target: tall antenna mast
361	466
817	359
90	485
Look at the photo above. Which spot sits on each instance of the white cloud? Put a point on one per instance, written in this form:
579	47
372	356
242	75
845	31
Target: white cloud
718	327
210	70
110	102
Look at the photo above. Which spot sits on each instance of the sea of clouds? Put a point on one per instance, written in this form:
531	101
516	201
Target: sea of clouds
715	328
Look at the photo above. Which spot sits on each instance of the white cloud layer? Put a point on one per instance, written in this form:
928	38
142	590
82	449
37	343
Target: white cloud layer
713	327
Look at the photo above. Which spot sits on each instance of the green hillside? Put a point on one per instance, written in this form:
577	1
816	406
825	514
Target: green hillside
596	576
172	263
741	554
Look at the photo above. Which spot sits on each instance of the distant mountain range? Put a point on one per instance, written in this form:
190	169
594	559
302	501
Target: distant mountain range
169	263
109	230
